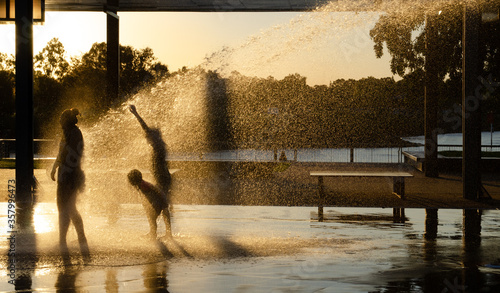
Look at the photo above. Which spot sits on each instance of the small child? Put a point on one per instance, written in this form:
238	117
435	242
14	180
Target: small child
156	202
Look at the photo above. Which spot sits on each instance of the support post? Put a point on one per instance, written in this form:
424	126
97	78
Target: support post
431	224
24	111
113	51
321	198
398	186
431	96
398	215
471	250
471	102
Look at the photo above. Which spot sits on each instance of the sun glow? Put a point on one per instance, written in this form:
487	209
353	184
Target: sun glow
77	31
44	219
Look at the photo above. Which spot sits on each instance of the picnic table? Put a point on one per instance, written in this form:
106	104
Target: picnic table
398	178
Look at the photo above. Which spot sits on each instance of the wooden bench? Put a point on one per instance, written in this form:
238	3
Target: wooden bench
415	159
397	177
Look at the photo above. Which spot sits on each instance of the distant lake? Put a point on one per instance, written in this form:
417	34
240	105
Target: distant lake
360	155
335	155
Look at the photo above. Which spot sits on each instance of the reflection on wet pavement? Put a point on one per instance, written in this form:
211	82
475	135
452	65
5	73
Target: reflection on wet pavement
265	249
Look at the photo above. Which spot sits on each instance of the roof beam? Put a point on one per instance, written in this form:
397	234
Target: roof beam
187	5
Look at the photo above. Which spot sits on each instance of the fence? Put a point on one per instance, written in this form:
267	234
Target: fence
8	147
364	155
333	155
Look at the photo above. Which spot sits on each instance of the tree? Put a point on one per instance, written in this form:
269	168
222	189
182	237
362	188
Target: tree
95	58
47	98
80	82
137	67
158	71
404	34
51	61
86	81
51	66
7	63
7	104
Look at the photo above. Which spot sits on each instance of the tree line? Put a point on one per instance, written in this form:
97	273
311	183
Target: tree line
252	112
258	111
80	82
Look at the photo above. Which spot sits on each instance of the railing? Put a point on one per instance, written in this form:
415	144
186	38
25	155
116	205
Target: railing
362	155
330	155
8	147
454	147
333	155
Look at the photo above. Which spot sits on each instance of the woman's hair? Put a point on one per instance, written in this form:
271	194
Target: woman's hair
134	177
68	117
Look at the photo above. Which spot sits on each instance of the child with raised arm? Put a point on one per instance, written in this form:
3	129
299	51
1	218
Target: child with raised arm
157	196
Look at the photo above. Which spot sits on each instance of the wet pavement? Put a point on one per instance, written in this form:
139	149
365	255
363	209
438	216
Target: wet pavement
265	249
369	241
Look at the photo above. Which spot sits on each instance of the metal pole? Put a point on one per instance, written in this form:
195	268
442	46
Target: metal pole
24	110
113	51
491	136
431	224
321	197
471	110
431	96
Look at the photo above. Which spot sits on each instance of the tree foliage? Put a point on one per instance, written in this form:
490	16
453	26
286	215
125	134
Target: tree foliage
51	61
7	62
86	81
61	83
7	103
288	113
406	35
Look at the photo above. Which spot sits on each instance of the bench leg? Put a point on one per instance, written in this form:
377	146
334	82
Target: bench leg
398	215
399	186
321	198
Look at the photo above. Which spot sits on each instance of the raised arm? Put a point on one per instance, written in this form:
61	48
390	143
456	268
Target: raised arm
133	110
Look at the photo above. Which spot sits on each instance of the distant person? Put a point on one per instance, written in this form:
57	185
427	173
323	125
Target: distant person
283	156
157	196
70	181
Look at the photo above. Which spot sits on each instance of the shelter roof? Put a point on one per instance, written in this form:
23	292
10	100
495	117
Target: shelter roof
184	5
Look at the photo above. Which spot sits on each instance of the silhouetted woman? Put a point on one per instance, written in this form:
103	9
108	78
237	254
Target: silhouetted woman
70	181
